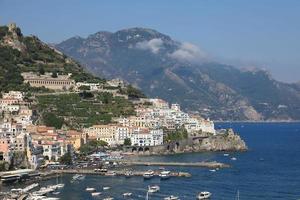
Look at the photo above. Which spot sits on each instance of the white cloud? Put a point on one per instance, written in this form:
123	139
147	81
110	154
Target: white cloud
188	52
153	45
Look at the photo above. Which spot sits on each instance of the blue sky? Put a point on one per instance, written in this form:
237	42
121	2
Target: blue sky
256	33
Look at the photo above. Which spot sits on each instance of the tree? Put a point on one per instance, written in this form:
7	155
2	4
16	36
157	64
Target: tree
41	70
84	87
54	74
66	159
127	142
51	119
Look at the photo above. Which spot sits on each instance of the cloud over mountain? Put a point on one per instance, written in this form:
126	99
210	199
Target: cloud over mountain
189	52
154	45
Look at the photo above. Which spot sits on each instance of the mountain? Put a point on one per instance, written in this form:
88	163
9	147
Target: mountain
180	72
20	53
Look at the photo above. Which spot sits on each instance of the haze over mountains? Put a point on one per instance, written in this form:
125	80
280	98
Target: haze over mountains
180	72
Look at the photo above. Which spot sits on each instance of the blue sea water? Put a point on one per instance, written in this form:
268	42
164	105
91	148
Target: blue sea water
269	170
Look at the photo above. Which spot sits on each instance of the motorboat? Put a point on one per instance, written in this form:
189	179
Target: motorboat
78	177
111	173
171	198
106	188
148	174
212	170
204	195
95	194
153	189
233	158
90	189
55	193
127	194
165	174
226	154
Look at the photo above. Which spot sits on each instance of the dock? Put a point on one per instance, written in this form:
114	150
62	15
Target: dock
212	164
117	172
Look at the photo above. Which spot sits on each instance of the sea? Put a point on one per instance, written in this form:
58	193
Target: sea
270	169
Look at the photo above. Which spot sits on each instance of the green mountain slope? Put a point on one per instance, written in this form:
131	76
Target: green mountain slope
20	53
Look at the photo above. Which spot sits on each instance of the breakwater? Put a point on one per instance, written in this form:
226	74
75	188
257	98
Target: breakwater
212	164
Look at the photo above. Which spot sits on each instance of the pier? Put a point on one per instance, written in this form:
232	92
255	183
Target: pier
212	164
117	172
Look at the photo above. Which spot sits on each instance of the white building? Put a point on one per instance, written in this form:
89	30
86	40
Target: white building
146	137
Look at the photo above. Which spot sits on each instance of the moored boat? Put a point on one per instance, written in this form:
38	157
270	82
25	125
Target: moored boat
95	193
90	189
106	188
153	189
127	194
164	174
204	195
171	198
148	174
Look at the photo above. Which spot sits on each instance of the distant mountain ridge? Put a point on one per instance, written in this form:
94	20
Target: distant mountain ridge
180	72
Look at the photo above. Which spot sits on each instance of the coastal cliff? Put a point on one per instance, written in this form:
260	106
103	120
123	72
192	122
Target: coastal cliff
228	141
225	140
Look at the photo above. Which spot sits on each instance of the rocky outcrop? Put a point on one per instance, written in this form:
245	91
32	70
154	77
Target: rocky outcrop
228	141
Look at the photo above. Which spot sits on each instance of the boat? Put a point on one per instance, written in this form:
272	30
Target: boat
171	198
212	170
14	190
90	189
106	188
95	194
128	174
204	195
127	194
111	173
153	189
43	191
226	154
148	174
55	193
77	177
164	174
108	198
233	158
30	187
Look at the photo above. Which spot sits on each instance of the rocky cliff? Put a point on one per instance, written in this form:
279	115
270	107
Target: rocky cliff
228	141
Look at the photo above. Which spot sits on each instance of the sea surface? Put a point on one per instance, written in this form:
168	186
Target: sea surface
269	170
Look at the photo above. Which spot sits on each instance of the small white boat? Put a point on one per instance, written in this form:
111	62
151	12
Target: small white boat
55	193
106	188
111	173
90	189
164	174
204	195
233	158
171	198
212	170
127	194
108	198
226	154
148	174
95	194
153	189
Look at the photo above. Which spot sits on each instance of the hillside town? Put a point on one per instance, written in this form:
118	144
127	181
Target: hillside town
22	137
